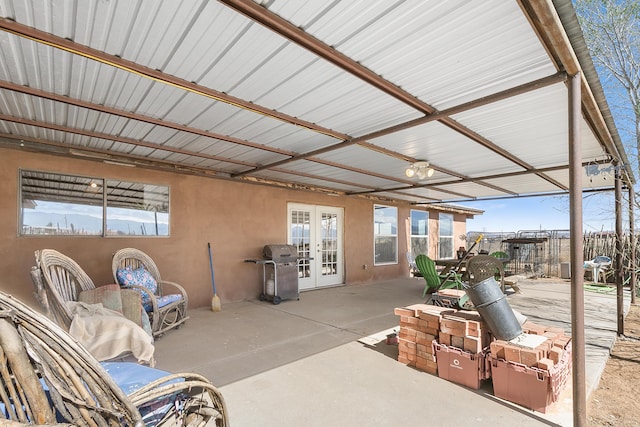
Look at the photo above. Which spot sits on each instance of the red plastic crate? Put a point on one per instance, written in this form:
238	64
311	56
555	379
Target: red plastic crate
530	387
459	366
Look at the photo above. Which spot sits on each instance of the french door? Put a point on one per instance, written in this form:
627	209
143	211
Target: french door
317	232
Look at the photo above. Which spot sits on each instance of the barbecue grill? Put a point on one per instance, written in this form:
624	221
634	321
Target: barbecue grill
279	272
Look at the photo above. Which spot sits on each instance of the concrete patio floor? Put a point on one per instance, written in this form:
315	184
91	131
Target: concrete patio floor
322	360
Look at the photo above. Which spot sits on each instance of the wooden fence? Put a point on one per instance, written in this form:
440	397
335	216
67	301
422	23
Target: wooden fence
545	251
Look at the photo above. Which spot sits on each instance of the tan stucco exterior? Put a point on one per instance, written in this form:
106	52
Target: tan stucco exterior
238	219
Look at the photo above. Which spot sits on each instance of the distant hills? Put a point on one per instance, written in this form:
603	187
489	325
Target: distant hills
89	225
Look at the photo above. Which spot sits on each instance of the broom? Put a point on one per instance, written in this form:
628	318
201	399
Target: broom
215	301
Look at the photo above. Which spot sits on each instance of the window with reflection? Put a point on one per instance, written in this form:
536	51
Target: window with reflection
71	205
385	234
419	233
445	245
135	209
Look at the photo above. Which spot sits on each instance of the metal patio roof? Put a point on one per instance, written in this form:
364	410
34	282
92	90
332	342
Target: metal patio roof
331	96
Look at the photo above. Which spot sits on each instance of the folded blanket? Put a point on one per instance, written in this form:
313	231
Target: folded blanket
107	334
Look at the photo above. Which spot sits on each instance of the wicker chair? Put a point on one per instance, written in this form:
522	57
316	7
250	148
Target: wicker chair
59	280
482	267
163	316
47	377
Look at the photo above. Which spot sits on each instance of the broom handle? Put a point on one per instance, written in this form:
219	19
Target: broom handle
213	282
464	256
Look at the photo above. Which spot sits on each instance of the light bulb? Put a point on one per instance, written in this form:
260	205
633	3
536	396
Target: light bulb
410	172
430	172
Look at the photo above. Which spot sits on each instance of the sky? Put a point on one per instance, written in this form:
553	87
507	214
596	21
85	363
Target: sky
542	213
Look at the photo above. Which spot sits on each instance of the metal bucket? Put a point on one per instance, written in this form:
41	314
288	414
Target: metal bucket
492	305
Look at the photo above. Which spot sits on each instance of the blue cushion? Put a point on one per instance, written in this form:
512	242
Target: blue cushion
168	299
138	277
133	376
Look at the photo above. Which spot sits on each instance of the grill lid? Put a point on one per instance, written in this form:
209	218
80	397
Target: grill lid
280	253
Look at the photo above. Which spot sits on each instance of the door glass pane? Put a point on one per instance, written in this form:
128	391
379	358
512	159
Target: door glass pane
445	246
300	237
329	244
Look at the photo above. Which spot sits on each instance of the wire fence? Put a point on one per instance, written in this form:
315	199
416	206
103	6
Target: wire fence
546	253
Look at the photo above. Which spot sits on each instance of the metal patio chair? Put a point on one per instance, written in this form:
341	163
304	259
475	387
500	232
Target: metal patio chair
482	267
166	302
47	377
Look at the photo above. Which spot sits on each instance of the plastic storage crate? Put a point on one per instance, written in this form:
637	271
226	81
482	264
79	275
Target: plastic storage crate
530	387
461	367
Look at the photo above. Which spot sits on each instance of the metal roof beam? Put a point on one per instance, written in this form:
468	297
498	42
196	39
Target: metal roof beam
283	27
155	75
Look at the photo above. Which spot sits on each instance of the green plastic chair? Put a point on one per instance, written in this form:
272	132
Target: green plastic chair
436	281
501	255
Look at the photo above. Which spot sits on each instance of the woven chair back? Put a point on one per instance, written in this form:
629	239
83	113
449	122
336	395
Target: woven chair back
134	258
63	280
49	378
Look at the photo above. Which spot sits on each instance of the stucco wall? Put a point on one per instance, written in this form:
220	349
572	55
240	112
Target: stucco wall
238	219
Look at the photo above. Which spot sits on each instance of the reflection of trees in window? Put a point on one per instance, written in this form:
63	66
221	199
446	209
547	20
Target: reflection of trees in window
57	204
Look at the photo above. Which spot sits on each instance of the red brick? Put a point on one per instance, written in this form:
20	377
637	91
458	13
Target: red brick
422	325
453	326
430	317
426	340
545	364
551	335
529	357
472	344
497	349
562	341
408	320
407	343
407	334
557	330
555	354
427	365
457	341
512	354
438	310
533	328
406	361
431	331
418	308
444	338
404	312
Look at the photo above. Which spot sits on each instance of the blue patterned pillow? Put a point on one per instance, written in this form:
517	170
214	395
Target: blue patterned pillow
139	277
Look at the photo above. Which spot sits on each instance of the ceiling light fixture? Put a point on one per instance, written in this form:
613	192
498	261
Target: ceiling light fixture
419	169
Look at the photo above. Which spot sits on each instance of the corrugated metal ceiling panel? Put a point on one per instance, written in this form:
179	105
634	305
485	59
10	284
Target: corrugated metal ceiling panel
443	147
462	45
525	184
328	171
401	59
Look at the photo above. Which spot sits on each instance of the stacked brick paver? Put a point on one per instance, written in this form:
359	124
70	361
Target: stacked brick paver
457	345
